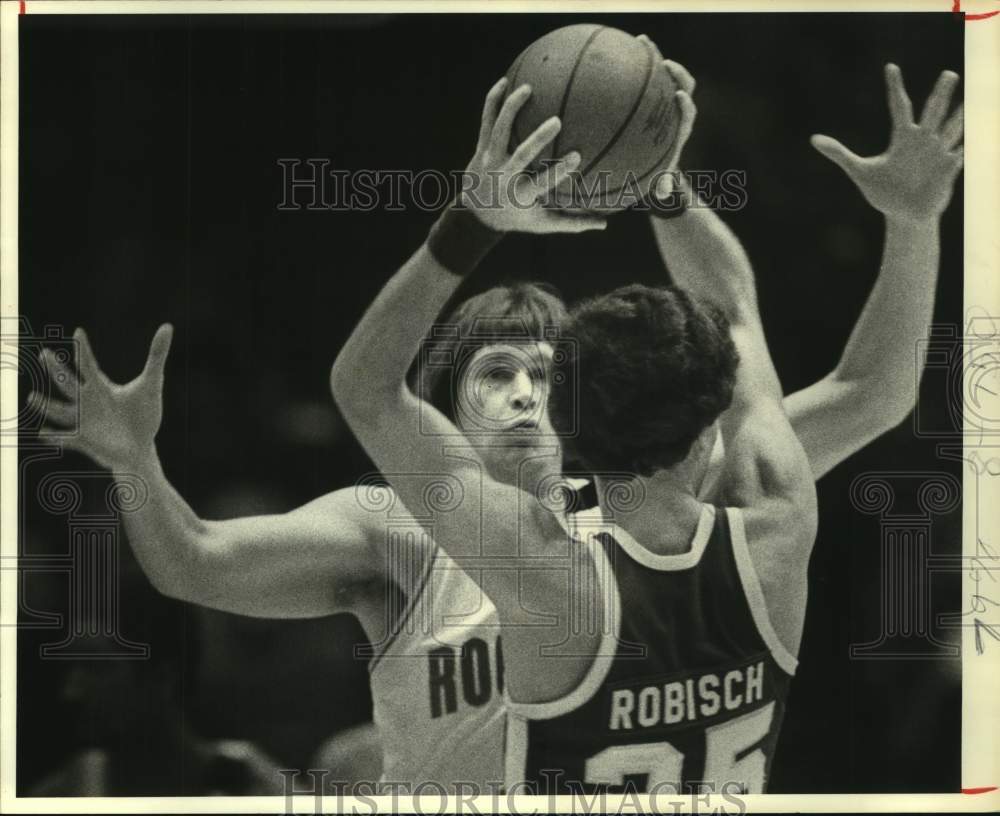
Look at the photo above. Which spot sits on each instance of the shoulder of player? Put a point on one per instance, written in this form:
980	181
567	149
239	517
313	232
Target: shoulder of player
765	461
545	525
779	526
365	513
768	478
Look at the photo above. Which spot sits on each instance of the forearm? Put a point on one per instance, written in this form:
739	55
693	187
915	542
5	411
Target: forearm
874	386
165	534
881	351
705	257
378	354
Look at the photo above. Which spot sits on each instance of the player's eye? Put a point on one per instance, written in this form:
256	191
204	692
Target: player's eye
501	374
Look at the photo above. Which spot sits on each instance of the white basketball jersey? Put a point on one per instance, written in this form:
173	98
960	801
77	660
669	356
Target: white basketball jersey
437	686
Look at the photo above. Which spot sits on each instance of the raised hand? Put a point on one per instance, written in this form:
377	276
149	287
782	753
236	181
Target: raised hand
913	179
685	83
117	423
504	195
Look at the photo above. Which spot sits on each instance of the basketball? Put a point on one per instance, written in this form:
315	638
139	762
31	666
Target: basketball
614	98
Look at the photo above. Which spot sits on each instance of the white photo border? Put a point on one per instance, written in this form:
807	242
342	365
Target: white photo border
981	490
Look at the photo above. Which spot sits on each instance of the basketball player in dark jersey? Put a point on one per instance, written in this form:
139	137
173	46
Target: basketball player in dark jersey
654	425
701	603
329	555
708	624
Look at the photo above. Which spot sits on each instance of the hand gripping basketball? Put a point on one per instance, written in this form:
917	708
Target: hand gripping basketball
665	182
498	187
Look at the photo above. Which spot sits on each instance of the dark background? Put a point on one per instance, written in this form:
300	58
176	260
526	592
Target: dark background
149	187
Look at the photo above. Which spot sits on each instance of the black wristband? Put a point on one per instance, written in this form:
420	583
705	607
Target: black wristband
673	206
459	240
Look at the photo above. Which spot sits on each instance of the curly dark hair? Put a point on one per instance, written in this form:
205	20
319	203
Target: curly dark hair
516	312
653	367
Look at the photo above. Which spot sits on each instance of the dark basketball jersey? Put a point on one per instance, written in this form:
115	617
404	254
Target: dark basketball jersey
690	684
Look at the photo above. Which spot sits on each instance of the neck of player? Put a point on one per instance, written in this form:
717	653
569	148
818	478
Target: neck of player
661	511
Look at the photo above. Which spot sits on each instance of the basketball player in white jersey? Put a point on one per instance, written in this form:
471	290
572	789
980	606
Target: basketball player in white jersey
437	720
501	533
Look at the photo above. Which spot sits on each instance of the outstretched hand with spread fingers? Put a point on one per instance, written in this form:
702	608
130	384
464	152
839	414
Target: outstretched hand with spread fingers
113	424
914	178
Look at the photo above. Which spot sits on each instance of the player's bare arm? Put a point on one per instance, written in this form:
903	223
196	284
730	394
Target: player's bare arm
767	472
873	388
875	384
493	524
312	561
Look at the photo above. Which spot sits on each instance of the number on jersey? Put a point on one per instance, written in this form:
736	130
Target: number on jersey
661	763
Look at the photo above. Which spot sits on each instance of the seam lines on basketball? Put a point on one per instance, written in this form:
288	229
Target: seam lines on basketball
569	85
659	161
631	114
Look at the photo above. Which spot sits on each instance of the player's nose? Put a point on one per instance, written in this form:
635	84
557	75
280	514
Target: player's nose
522	393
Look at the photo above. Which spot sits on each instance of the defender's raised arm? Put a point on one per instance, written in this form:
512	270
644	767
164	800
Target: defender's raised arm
875	384
298	564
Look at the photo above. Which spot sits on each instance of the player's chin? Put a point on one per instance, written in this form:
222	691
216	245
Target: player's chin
509	443
508	451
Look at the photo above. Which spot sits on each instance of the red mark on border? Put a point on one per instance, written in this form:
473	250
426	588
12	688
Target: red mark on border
979	790
956	7
21	10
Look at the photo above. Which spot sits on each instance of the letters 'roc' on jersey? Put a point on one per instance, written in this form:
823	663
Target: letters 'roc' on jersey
437	674
437	685
689	688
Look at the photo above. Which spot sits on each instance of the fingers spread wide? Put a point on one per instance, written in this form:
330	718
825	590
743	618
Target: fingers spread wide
954	128
56	412
159	349
85	360
836	152
900	107
939	100
62	376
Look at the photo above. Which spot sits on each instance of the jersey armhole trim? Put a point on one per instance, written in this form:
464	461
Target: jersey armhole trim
606	651
755	594
405	615
515	750
677	561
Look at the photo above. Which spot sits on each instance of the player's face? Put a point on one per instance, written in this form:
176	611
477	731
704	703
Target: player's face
502	403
